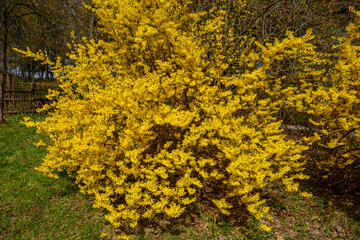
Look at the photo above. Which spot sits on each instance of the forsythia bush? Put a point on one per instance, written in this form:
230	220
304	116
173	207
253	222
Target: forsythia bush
148	122
334	107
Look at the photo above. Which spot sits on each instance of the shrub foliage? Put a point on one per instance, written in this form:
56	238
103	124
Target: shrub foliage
333	101
148	120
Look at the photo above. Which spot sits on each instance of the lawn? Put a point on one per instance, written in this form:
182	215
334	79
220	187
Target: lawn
33	206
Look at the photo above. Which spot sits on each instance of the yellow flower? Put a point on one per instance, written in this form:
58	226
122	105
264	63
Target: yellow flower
266	228
40	143
104	235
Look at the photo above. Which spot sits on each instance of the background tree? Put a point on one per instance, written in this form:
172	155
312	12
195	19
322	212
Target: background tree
39	24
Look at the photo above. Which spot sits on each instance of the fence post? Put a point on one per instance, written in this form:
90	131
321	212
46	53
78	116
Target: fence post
2	98
9	92
13	91
32	94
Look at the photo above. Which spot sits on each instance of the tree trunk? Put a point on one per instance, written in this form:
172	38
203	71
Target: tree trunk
47	73
22	71
3	64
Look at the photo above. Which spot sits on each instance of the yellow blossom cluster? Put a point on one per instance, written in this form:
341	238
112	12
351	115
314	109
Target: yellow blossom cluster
335	107
332	102
147	121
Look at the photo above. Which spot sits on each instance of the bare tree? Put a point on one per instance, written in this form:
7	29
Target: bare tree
10	12
49	22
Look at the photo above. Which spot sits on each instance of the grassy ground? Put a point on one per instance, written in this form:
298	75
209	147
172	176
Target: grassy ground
33	206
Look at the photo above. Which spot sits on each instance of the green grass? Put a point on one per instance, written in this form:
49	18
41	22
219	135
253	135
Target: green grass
33	206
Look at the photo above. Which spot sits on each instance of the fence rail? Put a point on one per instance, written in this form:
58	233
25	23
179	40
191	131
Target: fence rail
25	97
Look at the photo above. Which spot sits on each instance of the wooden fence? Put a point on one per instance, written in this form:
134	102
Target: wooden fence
25	97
